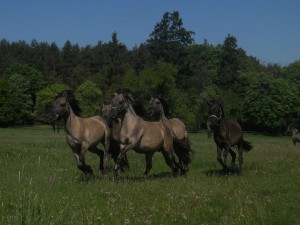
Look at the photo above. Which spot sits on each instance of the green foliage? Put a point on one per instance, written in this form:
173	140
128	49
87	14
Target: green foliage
17	106
269	101
33	76
155	80
183	108
89	97
229	62
168	40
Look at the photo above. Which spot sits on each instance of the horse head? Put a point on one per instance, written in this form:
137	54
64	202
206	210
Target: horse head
119	105
62	103
216	114
155	108
158	107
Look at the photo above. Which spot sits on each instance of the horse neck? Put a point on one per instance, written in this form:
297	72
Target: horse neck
70	119
130	117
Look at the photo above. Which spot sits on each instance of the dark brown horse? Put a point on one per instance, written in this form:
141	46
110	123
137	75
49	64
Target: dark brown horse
83	134
227	133
158	109
142	136
295	133
115	128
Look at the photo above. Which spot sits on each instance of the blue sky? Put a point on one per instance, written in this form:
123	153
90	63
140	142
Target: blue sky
267	30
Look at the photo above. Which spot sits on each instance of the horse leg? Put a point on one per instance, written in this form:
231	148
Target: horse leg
106	156
100	153
219	158
81	164
123	150
148	158
233	156
240	155
124	164
170	161
85	168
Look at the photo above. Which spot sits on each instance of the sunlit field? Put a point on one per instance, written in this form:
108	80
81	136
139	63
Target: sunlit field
40	184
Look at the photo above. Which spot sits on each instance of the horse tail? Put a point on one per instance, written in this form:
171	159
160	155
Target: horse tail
183	151
247	146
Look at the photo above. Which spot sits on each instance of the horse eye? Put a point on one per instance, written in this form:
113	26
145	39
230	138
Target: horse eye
63	104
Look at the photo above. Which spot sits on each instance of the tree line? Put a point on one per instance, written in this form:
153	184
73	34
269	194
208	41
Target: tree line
169	64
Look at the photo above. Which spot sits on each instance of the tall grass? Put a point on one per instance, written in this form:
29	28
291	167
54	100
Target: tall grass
40	184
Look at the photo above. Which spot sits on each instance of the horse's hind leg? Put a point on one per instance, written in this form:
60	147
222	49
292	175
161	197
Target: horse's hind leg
148	158
170	160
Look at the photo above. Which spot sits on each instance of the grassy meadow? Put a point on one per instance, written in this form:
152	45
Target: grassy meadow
40	184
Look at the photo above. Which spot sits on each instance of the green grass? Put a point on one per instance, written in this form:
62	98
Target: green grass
40	184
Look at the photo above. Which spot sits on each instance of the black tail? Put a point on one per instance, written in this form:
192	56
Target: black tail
247	146
183	151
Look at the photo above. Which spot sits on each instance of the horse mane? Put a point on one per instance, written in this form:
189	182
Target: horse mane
70	97
137	104
165	106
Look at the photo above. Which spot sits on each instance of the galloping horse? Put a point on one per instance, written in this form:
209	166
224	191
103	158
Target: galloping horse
142	136
83	134
115	128
158	109
227	133
295	133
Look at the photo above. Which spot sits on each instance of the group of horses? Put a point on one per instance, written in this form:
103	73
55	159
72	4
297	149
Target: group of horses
122	127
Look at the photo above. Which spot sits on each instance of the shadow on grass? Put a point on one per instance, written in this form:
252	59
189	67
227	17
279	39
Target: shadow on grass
123	178
231	171
142	178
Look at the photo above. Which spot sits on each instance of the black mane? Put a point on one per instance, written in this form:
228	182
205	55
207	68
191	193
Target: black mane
137	104
70	97
165	106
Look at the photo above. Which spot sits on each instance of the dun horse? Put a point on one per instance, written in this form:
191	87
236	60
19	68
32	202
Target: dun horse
159	110
227	133
83	134
295	134
142	136
115	128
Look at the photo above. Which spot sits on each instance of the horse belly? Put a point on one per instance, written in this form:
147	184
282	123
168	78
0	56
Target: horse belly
150	144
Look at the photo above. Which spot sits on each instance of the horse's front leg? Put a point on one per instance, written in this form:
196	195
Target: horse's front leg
81	163
123	150
148	158
219	158
233	156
